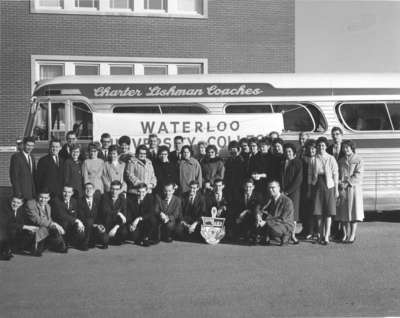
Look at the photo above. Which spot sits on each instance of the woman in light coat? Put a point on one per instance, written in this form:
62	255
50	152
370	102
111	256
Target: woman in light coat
113	170
351	208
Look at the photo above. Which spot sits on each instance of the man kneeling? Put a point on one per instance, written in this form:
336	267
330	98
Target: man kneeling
168	208
49	233
141	220
275	220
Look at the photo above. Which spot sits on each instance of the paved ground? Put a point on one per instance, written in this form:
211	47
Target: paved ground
198	280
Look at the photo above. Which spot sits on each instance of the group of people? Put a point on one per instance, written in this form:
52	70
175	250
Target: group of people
108	195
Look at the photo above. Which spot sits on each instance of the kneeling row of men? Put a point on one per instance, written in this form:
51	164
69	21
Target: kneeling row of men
143	218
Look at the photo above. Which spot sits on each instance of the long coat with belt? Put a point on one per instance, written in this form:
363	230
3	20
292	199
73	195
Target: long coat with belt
22	177
351	206
292	178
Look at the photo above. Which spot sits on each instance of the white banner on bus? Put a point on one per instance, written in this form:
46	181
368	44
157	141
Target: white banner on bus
216	129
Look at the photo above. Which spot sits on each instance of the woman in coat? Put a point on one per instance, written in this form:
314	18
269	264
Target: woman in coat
165	170
351	208
212	167
73	171
189	169
325	178
292	177
92	169
113	170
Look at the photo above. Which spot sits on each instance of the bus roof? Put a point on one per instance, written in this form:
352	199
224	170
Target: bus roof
284	80
222	85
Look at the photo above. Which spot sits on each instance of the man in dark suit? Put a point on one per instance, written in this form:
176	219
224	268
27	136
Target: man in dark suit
88	213
193	208
336	148
245	213
66	150
14	234
113	214
175	155
65	213
141	221
50	170
153	148
49	233
168	208
23	170
106	142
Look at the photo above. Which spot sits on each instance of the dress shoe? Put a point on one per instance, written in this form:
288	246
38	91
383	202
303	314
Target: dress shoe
284	240
168	240
5	256
104	246
146	242
84	247
295	242
264	242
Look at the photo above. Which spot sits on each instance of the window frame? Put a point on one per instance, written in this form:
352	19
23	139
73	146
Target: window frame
137	9
338	109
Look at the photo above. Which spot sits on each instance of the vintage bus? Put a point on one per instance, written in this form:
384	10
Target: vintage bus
220	108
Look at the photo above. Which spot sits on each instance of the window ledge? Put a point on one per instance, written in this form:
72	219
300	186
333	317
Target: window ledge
122	12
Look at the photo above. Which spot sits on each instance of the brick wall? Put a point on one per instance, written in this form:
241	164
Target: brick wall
237	37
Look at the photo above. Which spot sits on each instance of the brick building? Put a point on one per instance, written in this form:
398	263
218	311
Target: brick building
45	38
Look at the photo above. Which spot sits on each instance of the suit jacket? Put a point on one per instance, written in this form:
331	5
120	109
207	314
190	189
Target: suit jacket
173	210
73	175
109	211
85	214
101	155
341	152
240	205
50	175
9	222
145	209
280	213
174	156
211	201
38	217
192	212
21	177
63	215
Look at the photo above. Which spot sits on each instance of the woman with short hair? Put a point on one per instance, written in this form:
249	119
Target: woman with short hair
73	171
124	143
212	167
113	170
325	177
189	169
92	169
165	170
351	208
292	177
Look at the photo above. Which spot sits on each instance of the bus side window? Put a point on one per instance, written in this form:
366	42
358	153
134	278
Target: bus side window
295	117
41	124
82	121
394	111
365	116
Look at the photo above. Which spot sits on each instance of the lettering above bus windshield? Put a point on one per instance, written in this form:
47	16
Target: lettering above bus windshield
162	90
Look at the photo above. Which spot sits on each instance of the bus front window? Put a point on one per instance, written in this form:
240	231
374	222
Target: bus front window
82	123
41	123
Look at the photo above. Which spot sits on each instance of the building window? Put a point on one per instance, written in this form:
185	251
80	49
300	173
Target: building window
48	71
121	4
155	70
121	69
191	6
87	4
51	3
86	69
195	9
189	69
155	5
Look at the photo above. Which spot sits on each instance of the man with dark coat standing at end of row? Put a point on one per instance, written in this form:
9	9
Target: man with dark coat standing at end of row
23	170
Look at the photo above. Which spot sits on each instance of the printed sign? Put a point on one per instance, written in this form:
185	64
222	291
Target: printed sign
216	129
